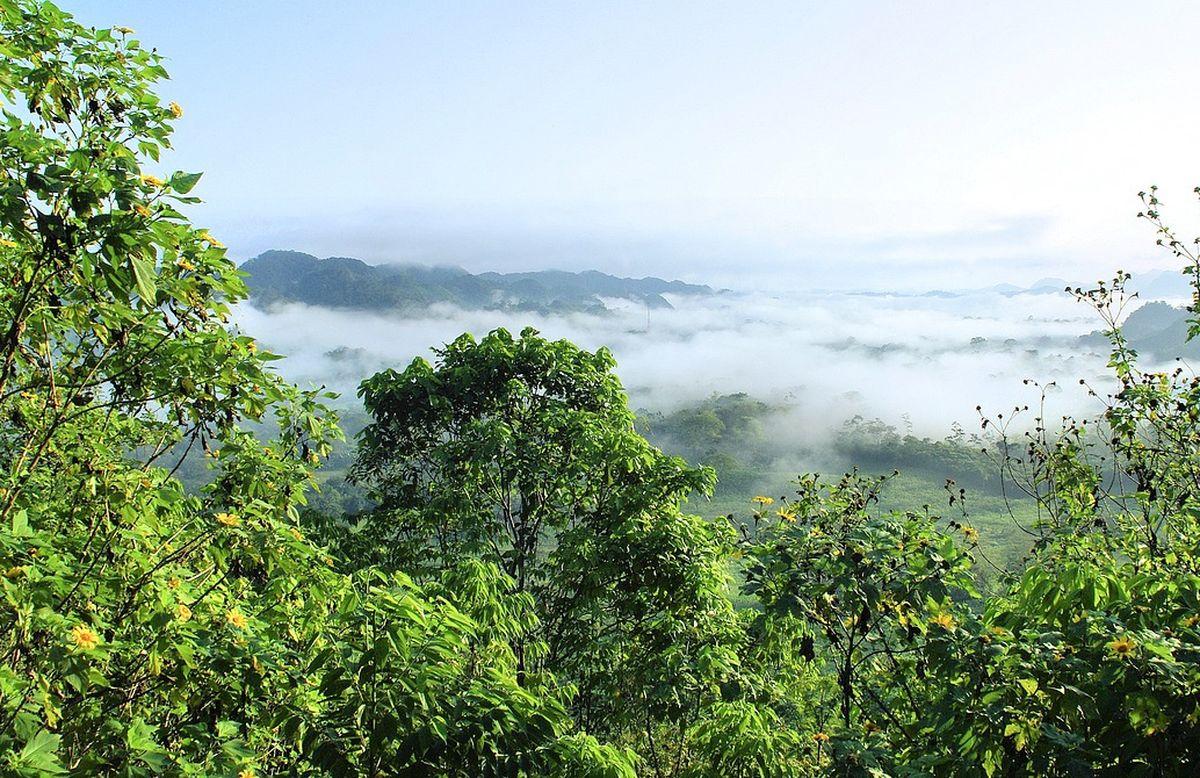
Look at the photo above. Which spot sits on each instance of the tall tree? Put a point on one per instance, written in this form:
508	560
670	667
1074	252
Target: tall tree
522	452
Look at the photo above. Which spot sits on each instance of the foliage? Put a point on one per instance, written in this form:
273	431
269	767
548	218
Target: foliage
868	592
522	452
146	629
521	594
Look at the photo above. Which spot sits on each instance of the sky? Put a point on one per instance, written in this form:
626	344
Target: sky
762	145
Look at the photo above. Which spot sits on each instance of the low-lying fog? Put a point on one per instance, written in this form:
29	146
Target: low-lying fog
827	356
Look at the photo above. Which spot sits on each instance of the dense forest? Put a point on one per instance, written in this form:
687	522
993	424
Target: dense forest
524	584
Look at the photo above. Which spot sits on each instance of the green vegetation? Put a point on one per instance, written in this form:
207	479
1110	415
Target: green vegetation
341	282
521	590
1157	330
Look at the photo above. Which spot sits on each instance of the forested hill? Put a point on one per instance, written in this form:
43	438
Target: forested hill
343	282
1158	330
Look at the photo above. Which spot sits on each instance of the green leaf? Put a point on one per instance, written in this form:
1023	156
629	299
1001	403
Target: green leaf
40	756
143	274
184	182
20	524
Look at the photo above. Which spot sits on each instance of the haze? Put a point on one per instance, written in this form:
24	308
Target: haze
766	144
820	358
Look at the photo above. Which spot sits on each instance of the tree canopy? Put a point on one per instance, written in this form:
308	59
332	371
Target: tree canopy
527	593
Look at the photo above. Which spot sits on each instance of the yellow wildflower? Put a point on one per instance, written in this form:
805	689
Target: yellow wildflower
142	210
821	737
786	514
124	30
150	180
228	519
174	582
211	240
945	621
1122	646
184	264
8	244
297	534
1190	621
971	534
176	109
762	500
247	773
183	612
84	637
236	619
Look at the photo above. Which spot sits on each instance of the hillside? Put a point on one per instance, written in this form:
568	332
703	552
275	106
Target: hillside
343	282
1157	330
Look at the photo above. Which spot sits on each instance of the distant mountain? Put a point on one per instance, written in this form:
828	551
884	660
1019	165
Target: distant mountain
1152	285
1158	330
1051	284
1160	284
342	282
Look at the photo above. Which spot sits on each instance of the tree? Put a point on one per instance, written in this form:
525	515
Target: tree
868	592
147	629
522	452
1092	660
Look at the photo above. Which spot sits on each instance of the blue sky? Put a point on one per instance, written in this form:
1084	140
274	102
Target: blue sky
934	143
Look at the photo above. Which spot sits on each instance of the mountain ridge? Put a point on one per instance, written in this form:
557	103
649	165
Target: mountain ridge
278	276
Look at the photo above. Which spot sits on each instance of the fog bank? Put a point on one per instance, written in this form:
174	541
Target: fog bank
928	361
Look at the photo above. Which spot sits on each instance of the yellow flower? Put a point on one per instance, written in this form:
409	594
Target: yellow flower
15	571
821	737
184	264
236	619
174	582
84	638
142	210
211	240
183	612
1190	621
297	534
252	347
945	621
150	180
228	519
8	244
971	534
124	30
1122	646
761	500
786	514
247	773
176	109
